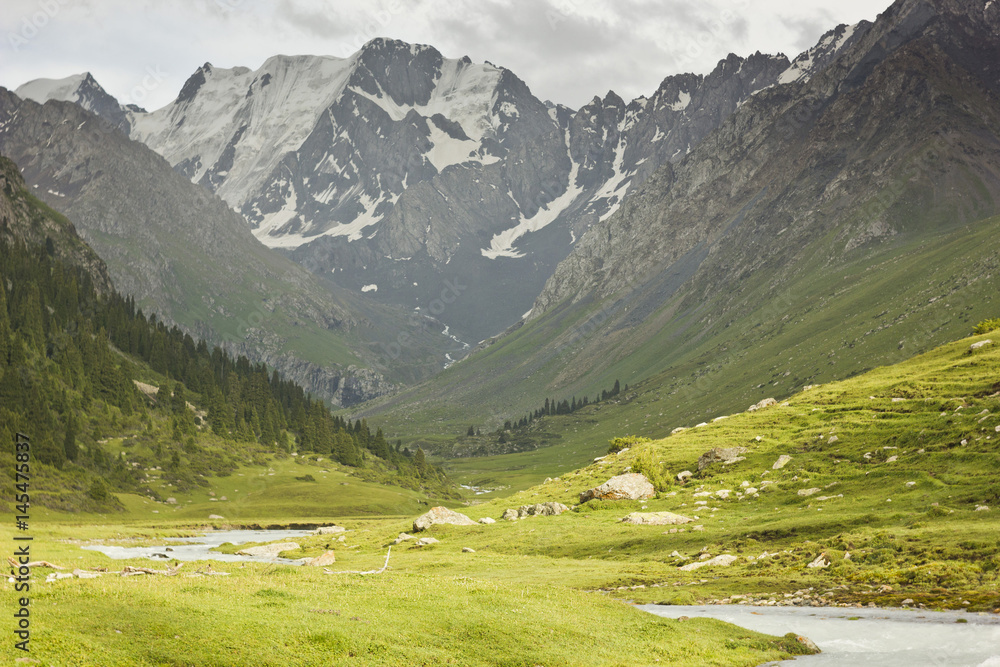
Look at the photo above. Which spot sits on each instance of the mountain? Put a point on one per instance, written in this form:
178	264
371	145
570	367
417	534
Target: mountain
83	90
831	224
183	254
398	172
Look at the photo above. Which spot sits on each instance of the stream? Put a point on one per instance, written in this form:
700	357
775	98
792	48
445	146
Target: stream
884	637
199	548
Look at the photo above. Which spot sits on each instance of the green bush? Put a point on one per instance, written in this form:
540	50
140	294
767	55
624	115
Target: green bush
647	464
986	326
618	444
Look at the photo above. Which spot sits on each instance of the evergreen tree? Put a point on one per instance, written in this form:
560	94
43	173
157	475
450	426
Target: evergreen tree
69	441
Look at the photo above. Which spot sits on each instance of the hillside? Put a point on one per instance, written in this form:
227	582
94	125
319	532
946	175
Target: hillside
889	493
117	403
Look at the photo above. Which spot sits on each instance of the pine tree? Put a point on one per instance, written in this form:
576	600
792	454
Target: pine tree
69	441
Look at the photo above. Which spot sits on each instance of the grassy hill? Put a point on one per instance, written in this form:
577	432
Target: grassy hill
900	503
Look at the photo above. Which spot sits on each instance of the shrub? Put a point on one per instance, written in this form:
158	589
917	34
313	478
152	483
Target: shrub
654	470
618	444
986	326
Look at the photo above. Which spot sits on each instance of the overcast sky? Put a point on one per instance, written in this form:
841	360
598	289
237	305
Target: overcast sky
142	51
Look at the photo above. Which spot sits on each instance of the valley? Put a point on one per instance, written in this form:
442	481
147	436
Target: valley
515	370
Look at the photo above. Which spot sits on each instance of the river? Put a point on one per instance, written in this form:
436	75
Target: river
200	548
884	637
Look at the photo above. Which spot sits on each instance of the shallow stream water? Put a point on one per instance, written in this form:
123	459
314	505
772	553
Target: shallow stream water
884	637
199	548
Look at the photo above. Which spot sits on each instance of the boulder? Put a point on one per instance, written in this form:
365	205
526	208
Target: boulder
327	558
821	561
630	486
426	541
980	344
781	462
402	538
724	455
725	560
487	520
684	475
766	403
656	519
510	515
807	492
538	509
468	550
330	530
438	515
268	550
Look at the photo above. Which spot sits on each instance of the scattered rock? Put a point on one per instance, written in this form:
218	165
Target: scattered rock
821	561
538	509
907	601
979	345
330	530
426	541
839	495
724	455
487	520
766	403
468	550
808	492
723	494
402	538
326	558
268	550
684	475
808	643
215	516
438	515
982	508
678	430
892	459
656	519
750	491
725	560
171	501
910	485
832	440
630	486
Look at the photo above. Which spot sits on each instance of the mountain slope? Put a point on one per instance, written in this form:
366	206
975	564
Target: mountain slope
760	262
183	254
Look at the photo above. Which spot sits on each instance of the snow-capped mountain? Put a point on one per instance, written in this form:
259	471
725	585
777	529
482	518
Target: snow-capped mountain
81	89
402	174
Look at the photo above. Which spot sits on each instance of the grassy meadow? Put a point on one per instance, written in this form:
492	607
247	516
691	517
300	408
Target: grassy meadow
900	503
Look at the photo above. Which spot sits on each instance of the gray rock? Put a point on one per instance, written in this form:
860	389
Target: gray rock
630	486
510	514
438	515
807	492
725	560
656	519
268	550
684	475
766	403
724	455
402	538
326	558
487	520
981	344
781	462
426	541
468	550
330	530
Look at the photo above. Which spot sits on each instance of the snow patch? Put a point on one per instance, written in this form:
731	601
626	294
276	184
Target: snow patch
502	244
683	100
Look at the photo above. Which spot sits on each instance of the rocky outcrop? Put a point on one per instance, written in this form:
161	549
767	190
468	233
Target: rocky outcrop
723	455
656	519
630	486
538	509
724	560
441	515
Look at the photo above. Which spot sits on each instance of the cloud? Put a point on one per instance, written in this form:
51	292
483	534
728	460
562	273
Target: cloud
565	50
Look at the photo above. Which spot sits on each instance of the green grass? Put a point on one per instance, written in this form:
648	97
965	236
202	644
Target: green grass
549	590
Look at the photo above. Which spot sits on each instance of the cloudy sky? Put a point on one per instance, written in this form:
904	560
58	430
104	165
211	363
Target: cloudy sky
567	51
